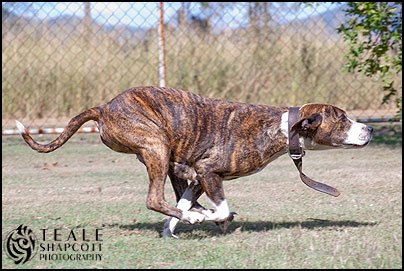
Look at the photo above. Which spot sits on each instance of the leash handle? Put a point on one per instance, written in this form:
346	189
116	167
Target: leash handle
296	153
312	183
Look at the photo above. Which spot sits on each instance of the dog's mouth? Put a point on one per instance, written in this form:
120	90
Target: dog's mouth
358	136
363	141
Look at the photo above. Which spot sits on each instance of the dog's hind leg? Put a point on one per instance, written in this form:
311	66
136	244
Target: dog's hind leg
184	204
157	165
156	162
179	186
187	200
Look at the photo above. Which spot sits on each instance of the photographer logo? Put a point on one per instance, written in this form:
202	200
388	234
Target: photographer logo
21	244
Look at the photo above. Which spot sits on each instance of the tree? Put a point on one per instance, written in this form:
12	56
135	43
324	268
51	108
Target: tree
374	34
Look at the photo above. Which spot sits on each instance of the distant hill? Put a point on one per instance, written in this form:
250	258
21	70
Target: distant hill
332	18
67	26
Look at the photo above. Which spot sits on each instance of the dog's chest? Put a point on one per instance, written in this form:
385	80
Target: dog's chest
249	170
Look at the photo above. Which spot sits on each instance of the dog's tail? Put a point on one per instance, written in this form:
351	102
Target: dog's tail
74	124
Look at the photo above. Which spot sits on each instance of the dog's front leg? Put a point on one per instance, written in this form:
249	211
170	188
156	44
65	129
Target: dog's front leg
179	184
213	187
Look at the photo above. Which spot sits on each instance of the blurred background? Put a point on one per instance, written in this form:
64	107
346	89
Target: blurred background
61	58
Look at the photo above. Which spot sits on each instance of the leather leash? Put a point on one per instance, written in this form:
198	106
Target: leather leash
296	153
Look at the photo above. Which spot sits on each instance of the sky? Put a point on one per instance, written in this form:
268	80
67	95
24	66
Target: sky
146	14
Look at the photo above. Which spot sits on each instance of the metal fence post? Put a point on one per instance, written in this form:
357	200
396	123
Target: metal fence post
162	62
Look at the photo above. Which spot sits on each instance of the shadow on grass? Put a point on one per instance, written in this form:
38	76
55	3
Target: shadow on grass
210	229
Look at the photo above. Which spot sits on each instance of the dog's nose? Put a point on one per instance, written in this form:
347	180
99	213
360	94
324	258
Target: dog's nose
370	129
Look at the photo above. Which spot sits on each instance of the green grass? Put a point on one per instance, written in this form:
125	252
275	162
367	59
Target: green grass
388	134
280	223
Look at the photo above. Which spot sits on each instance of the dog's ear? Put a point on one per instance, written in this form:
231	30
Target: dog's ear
308	123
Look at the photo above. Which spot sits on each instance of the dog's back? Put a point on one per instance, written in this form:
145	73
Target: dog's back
189	124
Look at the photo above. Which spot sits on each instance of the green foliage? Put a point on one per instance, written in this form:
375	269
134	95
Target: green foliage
374	34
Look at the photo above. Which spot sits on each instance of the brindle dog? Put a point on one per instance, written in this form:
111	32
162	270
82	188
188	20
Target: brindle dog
188	137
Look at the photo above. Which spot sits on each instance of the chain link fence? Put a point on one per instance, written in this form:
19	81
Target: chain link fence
61	58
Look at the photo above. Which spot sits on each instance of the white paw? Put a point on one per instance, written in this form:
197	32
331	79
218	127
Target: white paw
211	215
193	217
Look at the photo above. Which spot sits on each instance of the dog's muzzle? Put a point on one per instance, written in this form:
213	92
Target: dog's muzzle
358	136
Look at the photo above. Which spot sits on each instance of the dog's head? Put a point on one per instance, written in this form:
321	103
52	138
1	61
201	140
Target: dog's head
325	126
